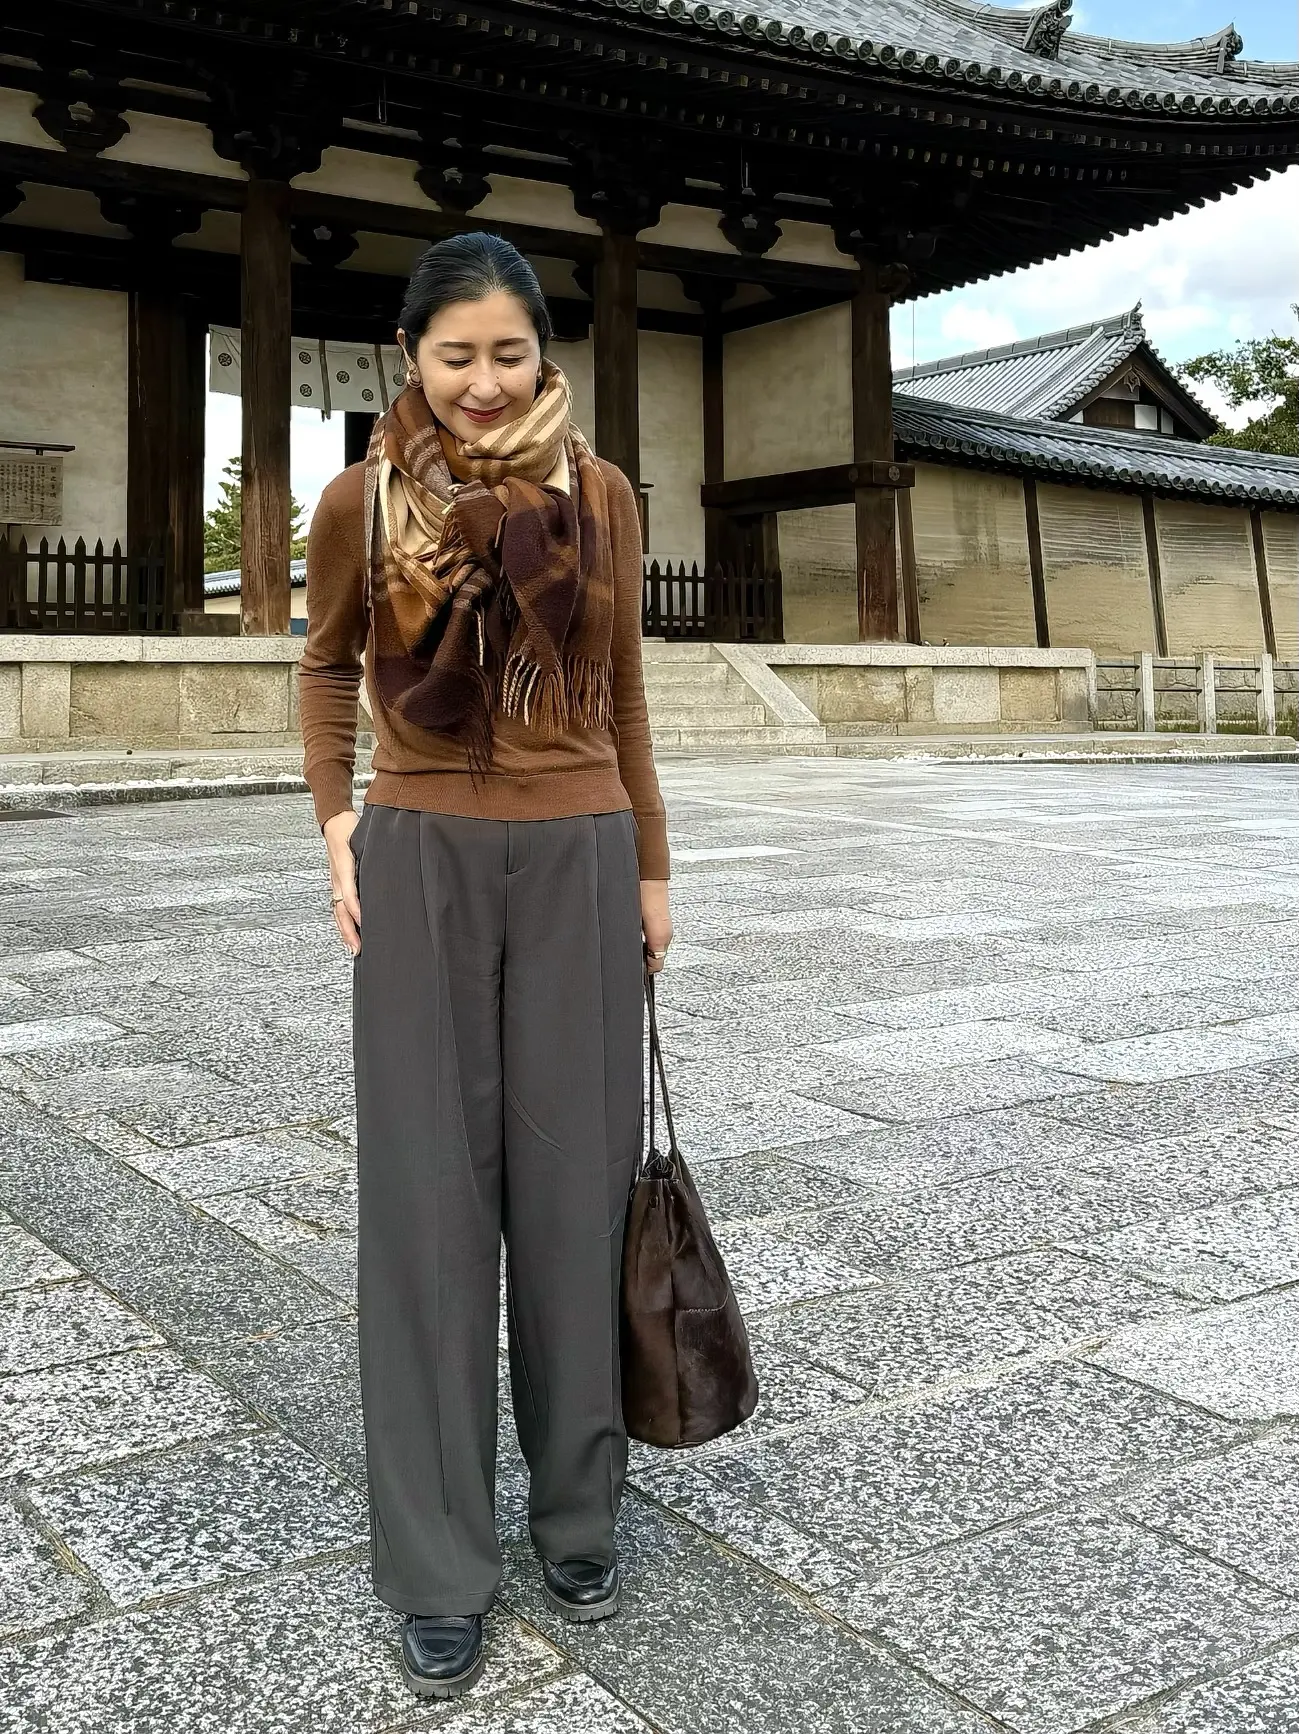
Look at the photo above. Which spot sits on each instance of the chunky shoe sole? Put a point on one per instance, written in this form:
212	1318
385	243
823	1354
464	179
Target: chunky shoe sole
452	1687
580	1615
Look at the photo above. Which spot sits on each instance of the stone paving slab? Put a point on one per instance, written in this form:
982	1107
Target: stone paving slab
1241	1508
162	1525
932	1329
35	1587
246	1661
1238	1361
306	1382
25	1260
185	1271
1001	1619
1222	1253
747	1654
878	1487
1024	1458
101	1411
967	1221
71	1321
962	1146
1262	1698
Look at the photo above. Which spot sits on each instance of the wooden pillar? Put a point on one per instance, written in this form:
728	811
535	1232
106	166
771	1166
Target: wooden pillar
872	441
165	434
714	433
358	425
1037	570
265	319
1264	586
1156	574
149	419
910	577
616	358
189	373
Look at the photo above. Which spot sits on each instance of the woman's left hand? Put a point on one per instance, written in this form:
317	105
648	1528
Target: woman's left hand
656	923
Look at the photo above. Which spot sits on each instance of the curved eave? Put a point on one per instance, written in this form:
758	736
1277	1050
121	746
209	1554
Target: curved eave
1009	72
1071	245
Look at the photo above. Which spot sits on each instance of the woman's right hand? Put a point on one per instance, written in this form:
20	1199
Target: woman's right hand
342	878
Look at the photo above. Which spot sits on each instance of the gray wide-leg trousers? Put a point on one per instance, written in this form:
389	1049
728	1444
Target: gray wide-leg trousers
497	1017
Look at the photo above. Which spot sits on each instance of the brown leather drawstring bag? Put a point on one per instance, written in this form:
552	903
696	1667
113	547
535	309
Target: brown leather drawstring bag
687	1375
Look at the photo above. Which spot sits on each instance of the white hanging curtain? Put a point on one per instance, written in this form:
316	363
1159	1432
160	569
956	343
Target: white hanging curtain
325	376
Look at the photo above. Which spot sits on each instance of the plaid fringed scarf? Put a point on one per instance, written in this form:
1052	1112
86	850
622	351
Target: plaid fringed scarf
491	592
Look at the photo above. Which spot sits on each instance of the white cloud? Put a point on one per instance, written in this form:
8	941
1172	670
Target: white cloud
315	451
968	327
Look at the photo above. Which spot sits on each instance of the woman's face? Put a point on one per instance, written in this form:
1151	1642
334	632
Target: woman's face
478	363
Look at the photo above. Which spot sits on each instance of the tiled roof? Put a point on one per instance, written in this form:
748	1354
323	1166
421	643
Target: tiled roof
227	583
1068	451
1046	377
1030	51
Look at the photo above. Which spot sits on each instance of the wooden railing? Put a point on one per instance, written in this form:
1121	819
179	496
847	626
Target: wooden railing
79	589
722	604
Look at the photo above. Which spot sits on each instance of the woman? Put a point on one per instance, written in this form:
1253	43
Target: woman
512	864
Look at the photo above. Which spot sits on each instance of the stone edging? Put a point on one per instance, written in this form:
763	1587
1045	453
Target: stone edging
133	647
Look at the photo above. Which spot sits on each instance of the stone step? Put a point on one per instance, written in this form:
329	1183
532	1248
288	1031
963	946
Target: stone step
730	691
678	650
735	716
690	676
758	737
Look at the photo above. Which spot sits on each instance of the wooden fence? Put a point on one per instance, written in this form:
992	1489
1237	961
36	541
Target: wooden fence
723	604
79	589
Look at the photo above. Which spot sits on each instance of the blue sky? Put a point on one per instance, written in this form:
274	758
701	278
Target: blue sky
1226	272
1268	26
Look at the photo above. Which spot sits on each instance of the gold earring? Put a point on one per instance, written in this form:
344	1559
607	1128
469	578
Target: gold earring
412	375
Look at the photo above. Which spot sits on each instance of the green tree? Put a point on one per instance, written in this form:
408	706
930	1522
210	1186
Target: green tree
223	524
1262	369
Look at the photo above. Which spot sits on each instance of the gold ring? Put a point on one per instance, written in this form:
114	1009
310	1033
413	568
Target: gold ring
335	900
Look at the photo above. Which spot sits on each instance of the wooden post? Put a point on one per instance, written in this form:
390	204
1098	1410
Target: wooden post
265	318
358	425
150	425
872	440
1264	587
1156	575
165	437
714	413
1035	566
910	580
616	357
186	482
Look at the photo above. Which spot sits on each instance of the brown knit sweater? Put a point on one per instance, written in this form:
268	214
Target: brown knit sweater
580	771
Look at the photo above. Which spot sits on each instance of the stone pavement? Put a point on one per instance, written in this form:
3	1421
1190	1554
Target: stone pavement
990	1078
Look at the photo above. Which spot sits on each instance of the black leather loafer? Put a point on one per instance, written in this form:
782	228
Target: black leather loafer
581	1589
441	1654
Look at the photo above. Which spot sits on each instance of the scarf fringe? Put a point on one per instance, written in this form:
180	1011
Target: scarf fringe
576	693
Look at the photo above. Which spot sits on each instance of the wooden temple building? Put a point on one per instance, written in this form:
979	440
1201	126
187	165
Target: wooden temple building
722	207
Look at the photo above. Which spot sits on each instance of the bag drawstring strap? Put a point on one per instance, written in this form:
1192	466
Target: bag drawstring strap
656	1065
